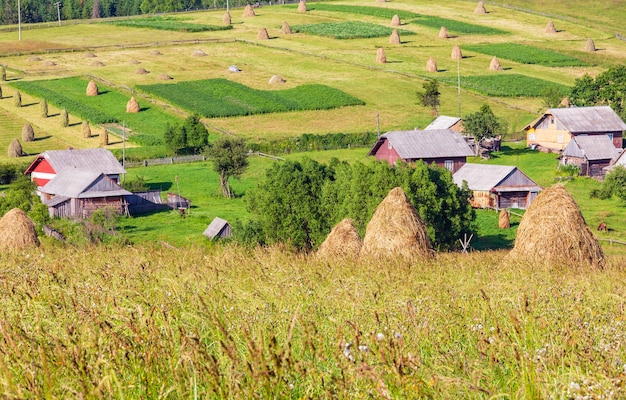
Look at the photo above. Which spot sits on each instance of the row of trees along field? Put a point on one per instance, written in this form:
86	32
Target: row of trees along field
299	202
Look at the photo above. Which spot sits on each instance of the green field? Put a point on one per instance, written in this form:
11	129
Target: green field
527	54
168	24
347	30
508	85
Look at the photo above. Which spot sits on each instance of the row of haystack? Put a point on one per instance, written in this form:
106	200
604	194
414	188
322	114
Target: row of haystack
552	232
132	106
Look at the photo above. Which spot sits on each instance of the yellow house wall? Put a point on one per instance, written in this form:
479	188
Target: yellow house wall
548	138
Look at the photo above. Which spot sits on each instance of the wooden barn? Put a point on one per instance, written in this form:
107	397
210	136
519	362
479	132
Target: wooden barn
443	147
79	193
445	122
591	153
49	163
557	126
497	186
218	228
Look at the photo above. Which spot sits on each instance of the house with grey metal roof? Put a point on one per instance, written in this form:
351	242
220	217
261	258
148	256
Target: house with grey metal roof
620	161
445	122
218	228
557	126
497	186
590	153
443	147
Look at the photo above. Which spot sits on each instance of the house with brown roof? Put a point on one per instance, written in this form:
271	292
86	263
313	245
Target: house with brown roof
557	126
443	147
590	153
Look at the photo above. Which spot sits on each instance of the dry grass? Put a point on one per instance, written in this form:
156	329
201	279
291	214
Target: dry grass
17	231
590	46
550	28
504	220
343	241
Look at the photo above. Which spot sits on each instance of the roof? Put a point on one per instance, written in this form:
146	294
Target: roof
100	160
215	228
594	147
485	177
619	161
83	184
442	122
584	119
416	144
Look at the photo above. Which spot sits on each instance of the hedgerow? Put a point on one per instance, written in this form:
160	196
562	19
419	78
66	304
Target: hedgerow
347	30
526	54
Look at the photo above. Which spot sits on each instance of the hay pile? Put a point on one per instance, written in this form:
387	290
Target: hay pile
395	37
92	89
49	63
198	53
504	221
480	8
395	20
164	77
286	29
553	231
15	149
276	79
343	241
155	53
28	134
34	59
104	137
396	230
97	64
141	71
381	1
431	65
494	65
262	35
134	61
565	102
381	57
132	106
301	6
248	11
90	55
86	130
17	230
590	46
234	68
550	28
456	52
227	20
443	33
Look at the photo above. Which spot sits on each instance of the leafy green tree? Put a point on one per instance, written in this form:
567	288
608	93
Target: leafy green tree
21	194
430	96
197	134
483	124
175	138
608	88
614	185
551	98
230	160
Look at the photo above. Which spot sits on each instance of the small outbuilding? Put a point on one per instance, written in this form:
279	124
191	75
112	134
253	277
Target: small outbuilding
218	228
445	122
618	162
591	153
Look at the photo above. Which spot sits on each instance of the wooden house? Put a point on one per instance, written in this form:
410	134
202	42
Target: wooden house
79	193
52	162
620	161
443	147
590	153
497	186
554	129
445	122
218	228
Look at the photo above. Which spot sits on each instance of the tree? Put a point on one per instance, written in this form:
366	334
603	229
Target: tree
430	96
614	184
551	98
230	160
608	88
197	134
483	124
22	194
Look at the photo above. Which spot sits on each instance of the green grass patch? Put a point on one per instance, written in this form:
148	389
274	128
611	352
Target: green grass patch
364	10
223	98
146	127
347	30
526	54
168	24
454	26
507	85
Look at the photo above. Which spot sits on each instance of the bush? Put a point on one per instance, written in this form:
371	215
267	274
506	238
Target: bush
568	170
106	218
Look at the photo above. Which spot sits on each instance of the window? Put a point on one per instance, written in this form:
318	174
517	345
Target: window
560	138
610	135
388	144
449	165
531	136
551	120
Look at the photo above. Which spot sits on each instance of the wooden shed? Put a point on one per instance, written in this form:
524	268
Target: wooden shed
218	228
497	186
445	122
620	161
591	154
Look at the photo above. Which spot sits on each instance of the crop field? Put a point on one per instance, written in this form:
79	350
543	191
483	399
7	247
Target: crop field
527	54
508	85
168	24
347	30
386	13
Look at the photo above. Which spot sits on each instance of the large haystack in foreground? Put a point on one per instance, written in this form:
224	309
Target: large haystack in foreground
17	231
343	241
396	230
15	149
553	232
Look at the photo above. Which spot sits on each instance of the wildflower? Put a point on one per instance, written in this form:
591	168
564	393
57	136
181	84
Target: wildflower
363	348
347	352
380	336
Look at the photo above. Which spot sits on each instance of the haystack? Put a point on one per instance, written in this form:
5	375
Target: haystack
49	63
590	46
92	89
395	37
132	106
104	137
276	79
431	65
164	77
456	52
226	19
141	71
155	53
396	230
134	61
550	28
494	65
262	35
17	231
86	130
90	55
198	53
565	102
28	134
553	231
443	33
343	241
286	29
381	1
97	64
480	8
248	11
301	6
504	221
395	20
34	59
15	149
381	57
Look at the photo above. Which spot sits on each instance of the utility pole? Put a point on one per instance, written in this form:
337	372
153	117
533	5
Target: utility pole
19	20
58	4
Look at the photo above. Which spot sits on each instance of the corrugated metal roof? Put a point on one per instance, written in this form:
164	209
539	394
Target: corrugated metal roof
588	119
56	200
99	160
442	122
592	147
619	161
482	177
215	227
83	184
416	144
